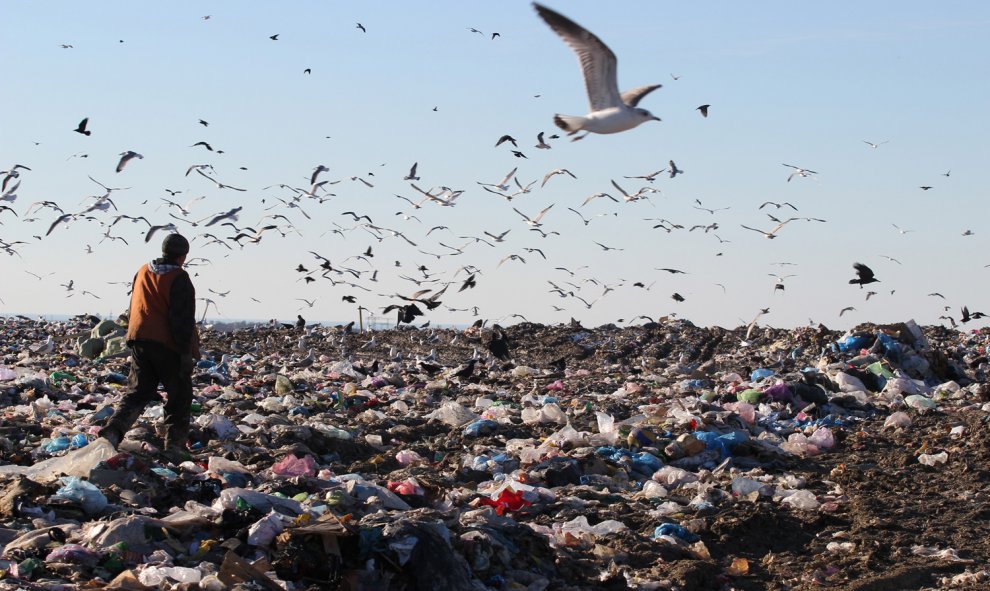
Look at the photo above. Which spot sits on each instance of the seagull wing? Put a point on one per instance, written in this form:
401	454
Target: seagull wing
58	221
781	225
598	63
151	232
540	215
633	96
621	190
755	230
508	177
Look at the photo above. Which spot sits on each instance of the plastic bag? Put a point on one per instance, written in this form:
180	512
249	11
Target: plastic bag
89	497
746	411
291	466
579	526
551	413
653	490
607	429
222	426
852	343
75	463
522	371
564	438
802	499
73	554
921	403
480	427
407	457
154	576
848	383
262	532
258	500
673	477
675	532
761	373
822	438
220	465
933	459
742	486
409	486
453	414
896	420
506	500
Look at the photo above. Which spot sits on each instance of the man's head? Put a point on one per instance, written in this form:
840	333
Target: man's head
174	247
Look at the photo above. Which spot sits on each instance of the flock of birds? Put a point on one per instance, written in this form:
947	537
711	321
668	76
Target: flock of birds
432	281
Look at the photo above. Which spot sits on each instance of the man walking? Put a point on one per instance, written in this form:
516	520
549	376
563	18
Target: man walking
161	332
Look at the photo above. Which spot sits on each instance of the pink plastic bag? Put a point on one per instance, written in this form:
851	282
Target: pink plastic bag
291	466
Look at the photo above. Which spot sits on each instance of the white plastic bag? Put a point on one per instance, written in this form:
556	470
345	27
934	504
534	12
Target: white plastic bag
89	497
453	414
75	463
896	420
803	500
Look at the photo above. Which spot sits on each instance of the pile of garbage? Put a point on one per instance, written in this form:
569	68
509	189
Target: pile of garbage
661	456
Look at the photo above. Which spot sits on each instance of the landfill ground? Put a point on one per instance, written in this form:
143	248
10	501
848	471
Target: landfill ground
868	474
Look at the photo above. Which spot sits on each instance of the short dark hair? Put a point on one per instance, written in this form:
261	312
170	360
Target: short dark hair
174	246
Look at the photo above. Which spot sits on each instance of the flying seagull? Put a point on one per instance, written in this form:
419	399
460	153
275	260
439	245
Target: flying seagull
555	172
801	172
153	229
703	109
647	177
773	232
534	221
611	112
126	157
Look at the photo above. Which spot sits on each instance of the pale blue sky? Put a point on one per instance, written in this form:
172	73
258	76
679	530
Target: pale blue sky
803	84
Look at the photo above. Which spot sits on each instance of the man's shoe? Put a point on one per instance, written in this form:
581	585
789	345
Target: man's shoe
175	455
112	436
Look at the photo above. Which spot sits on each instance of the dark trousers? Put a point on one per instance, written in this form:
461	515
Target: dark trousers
151	364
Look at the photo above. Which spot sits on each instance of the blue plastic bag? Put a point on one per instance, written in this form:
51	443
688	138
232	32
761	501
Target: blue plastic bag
761	373
87	495
676	531
891	348
853	343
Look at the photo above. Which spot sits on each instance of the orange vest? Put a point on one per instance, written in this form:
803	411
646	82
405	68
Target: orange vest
148	320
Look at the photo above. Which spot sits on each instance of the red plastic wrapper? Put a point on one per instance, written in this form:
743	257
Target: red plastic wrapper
507	500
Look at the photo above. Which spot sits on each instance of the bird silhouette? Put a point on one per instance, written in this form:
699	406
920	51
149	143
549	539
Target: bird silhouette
82	127
864	275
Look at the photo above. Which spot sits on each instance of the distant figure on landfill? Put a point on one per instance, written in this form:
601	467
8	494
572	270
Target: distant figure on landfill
162	335
300	322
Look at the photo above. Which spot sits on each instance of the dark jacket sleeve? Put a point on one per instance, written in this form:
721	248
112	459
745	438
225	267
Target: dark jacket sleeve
182	312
